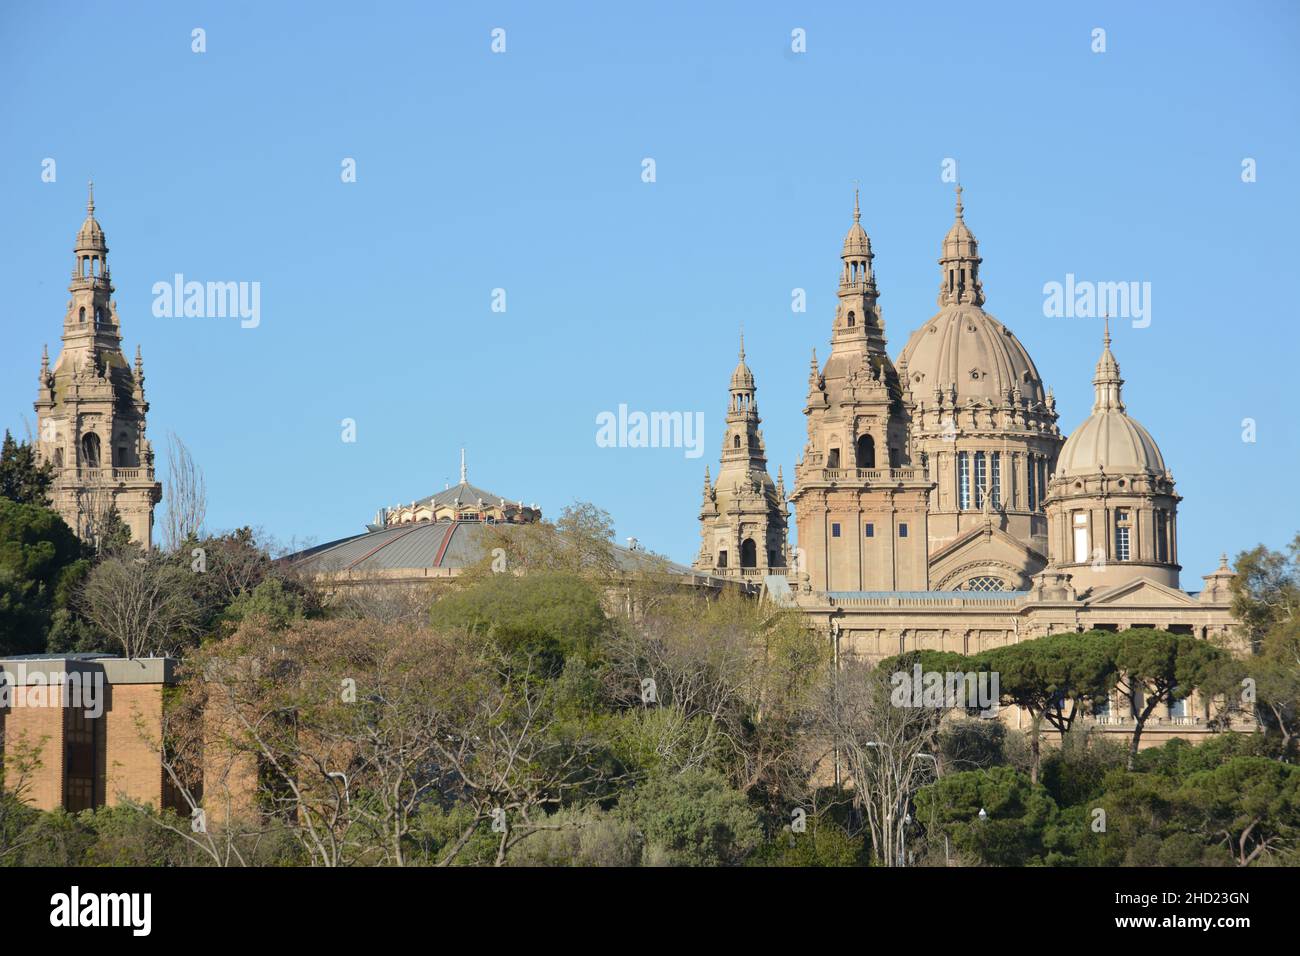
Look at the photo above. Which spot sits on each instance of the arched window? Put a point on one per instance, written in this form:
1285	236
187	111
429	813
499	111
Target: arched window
866	452
748	554
852	320
984	582
82	316
735	442
90	450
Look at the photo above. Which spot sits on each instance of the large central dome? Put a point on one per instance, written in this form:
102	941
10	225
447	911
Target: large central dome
965	348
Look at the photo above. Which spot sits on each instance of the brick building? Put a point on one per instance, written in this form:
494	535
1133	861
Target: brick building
93	726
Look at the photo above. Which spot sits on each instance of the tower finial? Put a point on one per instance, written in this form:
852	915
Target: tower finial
462	466
857	212
959	206
90	197
742	341
1106	337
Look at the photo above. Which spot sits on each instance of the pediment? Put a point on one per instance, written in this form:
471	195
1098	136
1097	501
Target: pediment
1141	593
985	550
985	540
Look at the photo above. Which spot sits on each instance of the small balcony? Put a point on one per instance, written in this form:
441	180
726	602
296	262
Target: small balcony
95	476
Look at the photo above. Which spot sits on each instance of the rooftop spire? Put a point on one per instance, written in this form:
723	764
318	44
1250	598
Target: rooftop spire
463	479
90	198
1107	383
959	263
857	212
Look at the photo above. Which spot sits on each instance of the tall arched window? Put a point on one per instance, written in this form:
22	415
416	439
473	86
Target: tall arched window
90	450
866	452
82	315
735	442
852	320
981	479
748	554
963	480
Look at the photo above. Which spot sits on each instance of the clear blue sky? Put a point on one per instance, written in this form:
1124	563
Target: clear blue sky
522	171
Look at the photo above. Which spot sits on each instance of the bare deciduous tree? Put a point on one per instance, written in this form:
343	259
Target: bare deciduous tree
186	493
886	750
143	603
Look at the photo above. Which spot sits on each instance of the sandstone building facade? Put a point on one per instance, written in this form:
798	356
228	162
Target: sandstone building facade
90	406
939	506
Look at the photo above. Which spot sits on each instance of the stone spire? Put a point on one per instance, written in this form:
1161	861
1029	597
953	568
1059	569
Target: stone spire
857	254
742	517
91	408
1106	382
463	473
742	380
858	330
960	264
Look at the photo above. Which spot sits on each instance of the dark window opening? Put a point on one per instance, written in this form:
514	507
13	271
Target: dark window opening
90	451
866	452
902	530
748	554
835	530
833	458
870	530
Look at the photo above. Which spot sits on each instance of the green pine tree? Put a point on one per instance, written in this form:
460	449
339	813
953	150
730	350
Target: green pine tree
21	478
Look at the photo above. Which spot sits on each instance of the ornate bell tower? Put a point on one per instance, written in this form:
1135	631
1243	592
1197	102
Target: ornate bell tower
743	518
861	505
90	407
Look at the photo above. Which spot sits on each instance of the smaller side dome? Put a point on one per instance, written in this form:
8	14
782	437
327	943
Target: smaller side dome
1109	439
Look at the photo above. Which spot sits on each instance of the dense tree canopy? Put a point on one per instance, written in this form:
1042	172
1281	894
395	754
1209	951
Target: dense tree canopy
39	556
